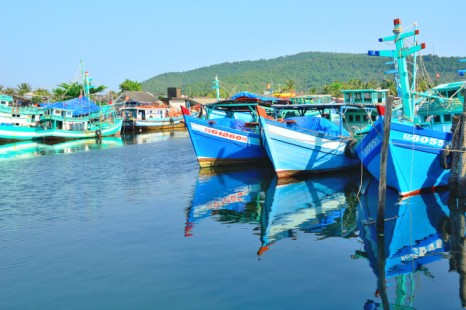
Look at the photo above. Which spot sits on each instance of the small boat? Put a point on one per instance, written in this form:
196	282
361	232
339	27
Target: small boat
416	158
18	122
227	132
306	144
149	117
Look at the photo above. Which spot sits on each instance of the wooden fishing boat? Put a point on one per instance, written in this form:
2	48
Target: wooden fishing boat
148	118
227	132
416	159
306	144
77	118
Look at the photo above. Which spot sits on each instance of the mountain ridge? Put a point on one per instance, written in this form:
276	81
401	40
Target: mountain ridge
308	70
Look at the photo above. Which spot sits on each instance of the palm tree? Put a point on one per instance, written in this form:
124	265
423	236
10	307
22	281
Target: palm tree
23	88
289	85
42	92
10	91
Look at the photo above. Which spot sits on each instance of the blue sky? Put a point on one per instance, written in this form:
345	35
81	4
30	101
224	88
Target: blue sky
44	41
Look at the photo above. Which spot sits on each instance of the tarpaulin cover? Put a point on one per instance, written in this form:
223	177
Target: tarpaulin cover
230	123
246	94
319	124
79	106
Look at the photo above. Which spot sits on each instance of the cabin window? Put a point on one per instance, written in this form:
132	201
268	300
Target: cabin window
374	117
357	97
437	119
367	97
347	97
451	93
358	118
447	118
350	118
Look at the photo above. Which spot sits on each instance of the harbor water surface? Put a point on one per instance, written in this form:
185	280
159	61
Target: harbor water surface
133	223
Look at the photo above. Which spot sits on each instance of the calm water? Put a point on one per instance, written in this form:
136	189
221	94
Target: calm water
133	223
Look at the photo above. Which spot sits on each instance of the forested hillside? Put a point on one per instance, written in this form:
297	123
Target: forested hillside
308	71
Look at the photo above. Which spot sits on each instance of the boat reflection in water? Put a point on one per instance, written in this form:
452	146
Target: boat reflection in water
230	195
29	149
324	206
151	137
413	236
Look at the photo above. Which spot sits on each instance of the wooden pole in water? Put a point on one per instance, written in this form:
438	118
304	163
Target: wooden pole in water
458	146
381	201
461	169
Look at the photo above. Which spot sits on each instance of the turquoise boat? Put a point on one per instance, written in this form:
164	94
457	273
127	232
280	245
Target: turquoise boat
78	118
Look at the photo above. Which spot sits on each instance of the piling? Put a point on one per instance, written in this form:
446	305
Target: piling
458	146
381	201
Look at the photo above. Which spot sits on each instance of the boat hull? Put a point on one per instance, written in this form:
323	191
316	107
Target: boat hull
295	151
414	158
216	145
154	124
24	133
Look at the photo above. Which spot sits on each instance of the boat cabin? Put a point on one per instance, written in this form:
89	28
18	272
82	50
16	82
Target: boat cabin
444	101
311	99
365	96
59	118
6	100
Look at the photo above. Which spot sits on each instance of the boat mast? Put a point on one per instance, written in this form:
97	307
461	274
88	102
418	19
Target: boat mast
399	54
413	85
86	82
216	87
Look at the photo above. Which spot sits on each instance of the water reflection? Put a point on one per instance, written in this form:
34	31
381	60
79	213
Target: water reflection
29	149
323	206
413	238
231	196
152	137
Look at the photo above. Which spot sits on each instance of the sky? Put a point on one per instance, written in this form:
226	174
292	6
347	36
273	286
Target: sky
44	41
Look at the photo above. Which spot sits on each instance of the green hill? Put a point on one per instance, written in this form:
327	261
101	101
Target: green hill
307	70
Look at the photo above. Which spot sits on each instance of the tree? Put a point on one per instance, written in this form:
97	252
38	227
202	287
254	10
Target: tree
129	85
10	91
66	91
289	85
23	88
42	92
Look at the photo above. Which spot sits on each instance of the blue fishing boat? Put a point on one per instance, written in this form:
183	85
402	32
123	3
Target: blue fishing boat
235	195
414	237
306	144
316	205
227	132
415	162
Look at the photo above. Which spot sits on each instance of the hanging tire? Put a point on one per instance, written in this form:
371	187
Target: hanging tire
350	148
171	121
98	133
445	159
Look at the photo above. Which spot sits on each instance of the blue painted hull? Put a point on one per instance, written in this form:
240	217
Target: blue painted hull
217	145
294	151
414	157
